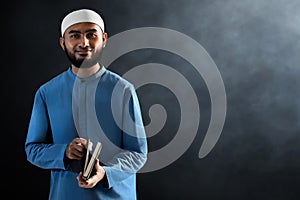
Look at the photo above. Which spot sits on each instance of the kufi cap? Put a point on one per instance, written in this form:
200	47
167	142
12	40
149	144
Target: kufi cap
82	15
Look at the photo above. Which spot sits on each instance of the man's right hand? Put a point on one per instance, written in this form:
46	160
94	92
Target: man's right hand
76	149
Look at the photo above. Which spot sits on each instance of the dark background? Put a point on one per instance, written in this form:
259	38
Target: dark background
254	43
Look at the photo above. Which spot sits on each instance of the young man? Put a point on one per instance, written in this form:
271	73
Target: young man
87	102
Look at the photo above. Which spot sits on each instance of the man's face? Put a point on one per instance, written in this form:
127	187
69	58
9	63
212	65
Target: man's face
83	44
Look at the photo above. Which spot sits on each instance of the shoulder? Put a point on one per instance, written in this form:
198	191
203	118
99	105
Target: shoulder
55	82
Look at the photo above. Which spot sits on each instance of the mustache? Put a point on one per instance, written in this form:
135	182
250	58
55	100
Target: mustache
84	49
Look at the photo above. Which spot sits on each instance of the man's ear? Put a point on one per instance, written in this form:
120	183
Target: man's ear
62	42
104	38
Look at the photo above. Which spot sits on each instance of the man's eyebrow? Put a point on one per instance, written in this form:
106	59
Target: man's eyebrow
89	30
74	31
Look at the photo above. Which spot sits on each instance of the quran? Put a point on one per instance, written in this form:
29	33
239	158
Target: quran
90	159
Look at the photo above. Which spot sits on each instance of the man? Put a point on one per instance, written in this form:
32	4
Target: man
87	102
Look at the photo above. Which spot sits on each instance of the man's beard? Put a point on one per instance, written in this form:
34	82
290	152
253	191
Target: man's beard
82	62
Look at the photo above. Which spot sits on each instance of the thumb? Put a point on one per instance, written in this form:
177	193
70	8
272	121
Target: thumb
97	164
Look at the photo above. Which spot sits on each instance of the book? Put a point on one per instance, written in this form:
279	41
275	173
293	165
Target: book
90	160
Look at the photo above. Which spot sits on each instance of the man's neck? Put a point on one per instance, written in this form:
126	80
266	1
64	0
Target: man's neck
86	72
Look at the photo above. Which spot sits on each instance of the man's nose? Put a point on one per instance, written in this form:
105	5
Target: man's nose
84	42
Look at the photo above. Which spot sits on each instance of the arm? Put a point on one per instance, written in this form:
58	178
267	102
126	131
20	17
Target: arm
133	154
39	146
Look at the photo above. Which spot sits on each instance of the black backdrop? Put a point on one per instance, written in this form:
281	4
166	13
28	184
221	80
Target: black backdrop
254	43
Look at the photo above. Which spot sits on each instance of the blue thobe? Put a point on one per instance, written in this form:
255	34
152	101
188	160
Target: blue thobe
103	107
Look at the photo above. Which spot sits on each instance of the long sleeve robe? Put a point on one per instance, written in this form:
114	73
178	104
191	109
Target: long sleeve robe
103	107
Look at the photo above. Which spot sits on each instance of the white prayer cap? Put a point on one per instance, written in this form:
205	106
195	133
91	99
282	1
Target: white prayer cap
82	15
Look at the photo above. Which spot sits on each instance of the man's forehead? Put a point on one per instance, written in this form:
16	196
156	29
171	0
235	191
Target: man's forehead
84	27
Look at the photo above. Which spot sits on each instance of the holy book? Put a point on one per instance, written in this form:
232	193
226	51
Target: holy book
90	159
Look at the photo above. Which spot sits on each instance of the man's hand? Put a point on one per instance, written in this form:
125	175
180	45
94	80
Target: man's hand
93	180
76	149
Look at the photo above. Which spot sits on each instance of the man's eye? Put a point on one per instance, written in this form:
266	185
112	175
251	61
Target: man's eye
75	36
91	35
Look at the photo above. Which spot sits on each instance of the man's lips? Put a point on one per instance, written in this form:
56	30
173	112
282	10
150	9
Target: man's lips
83	52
